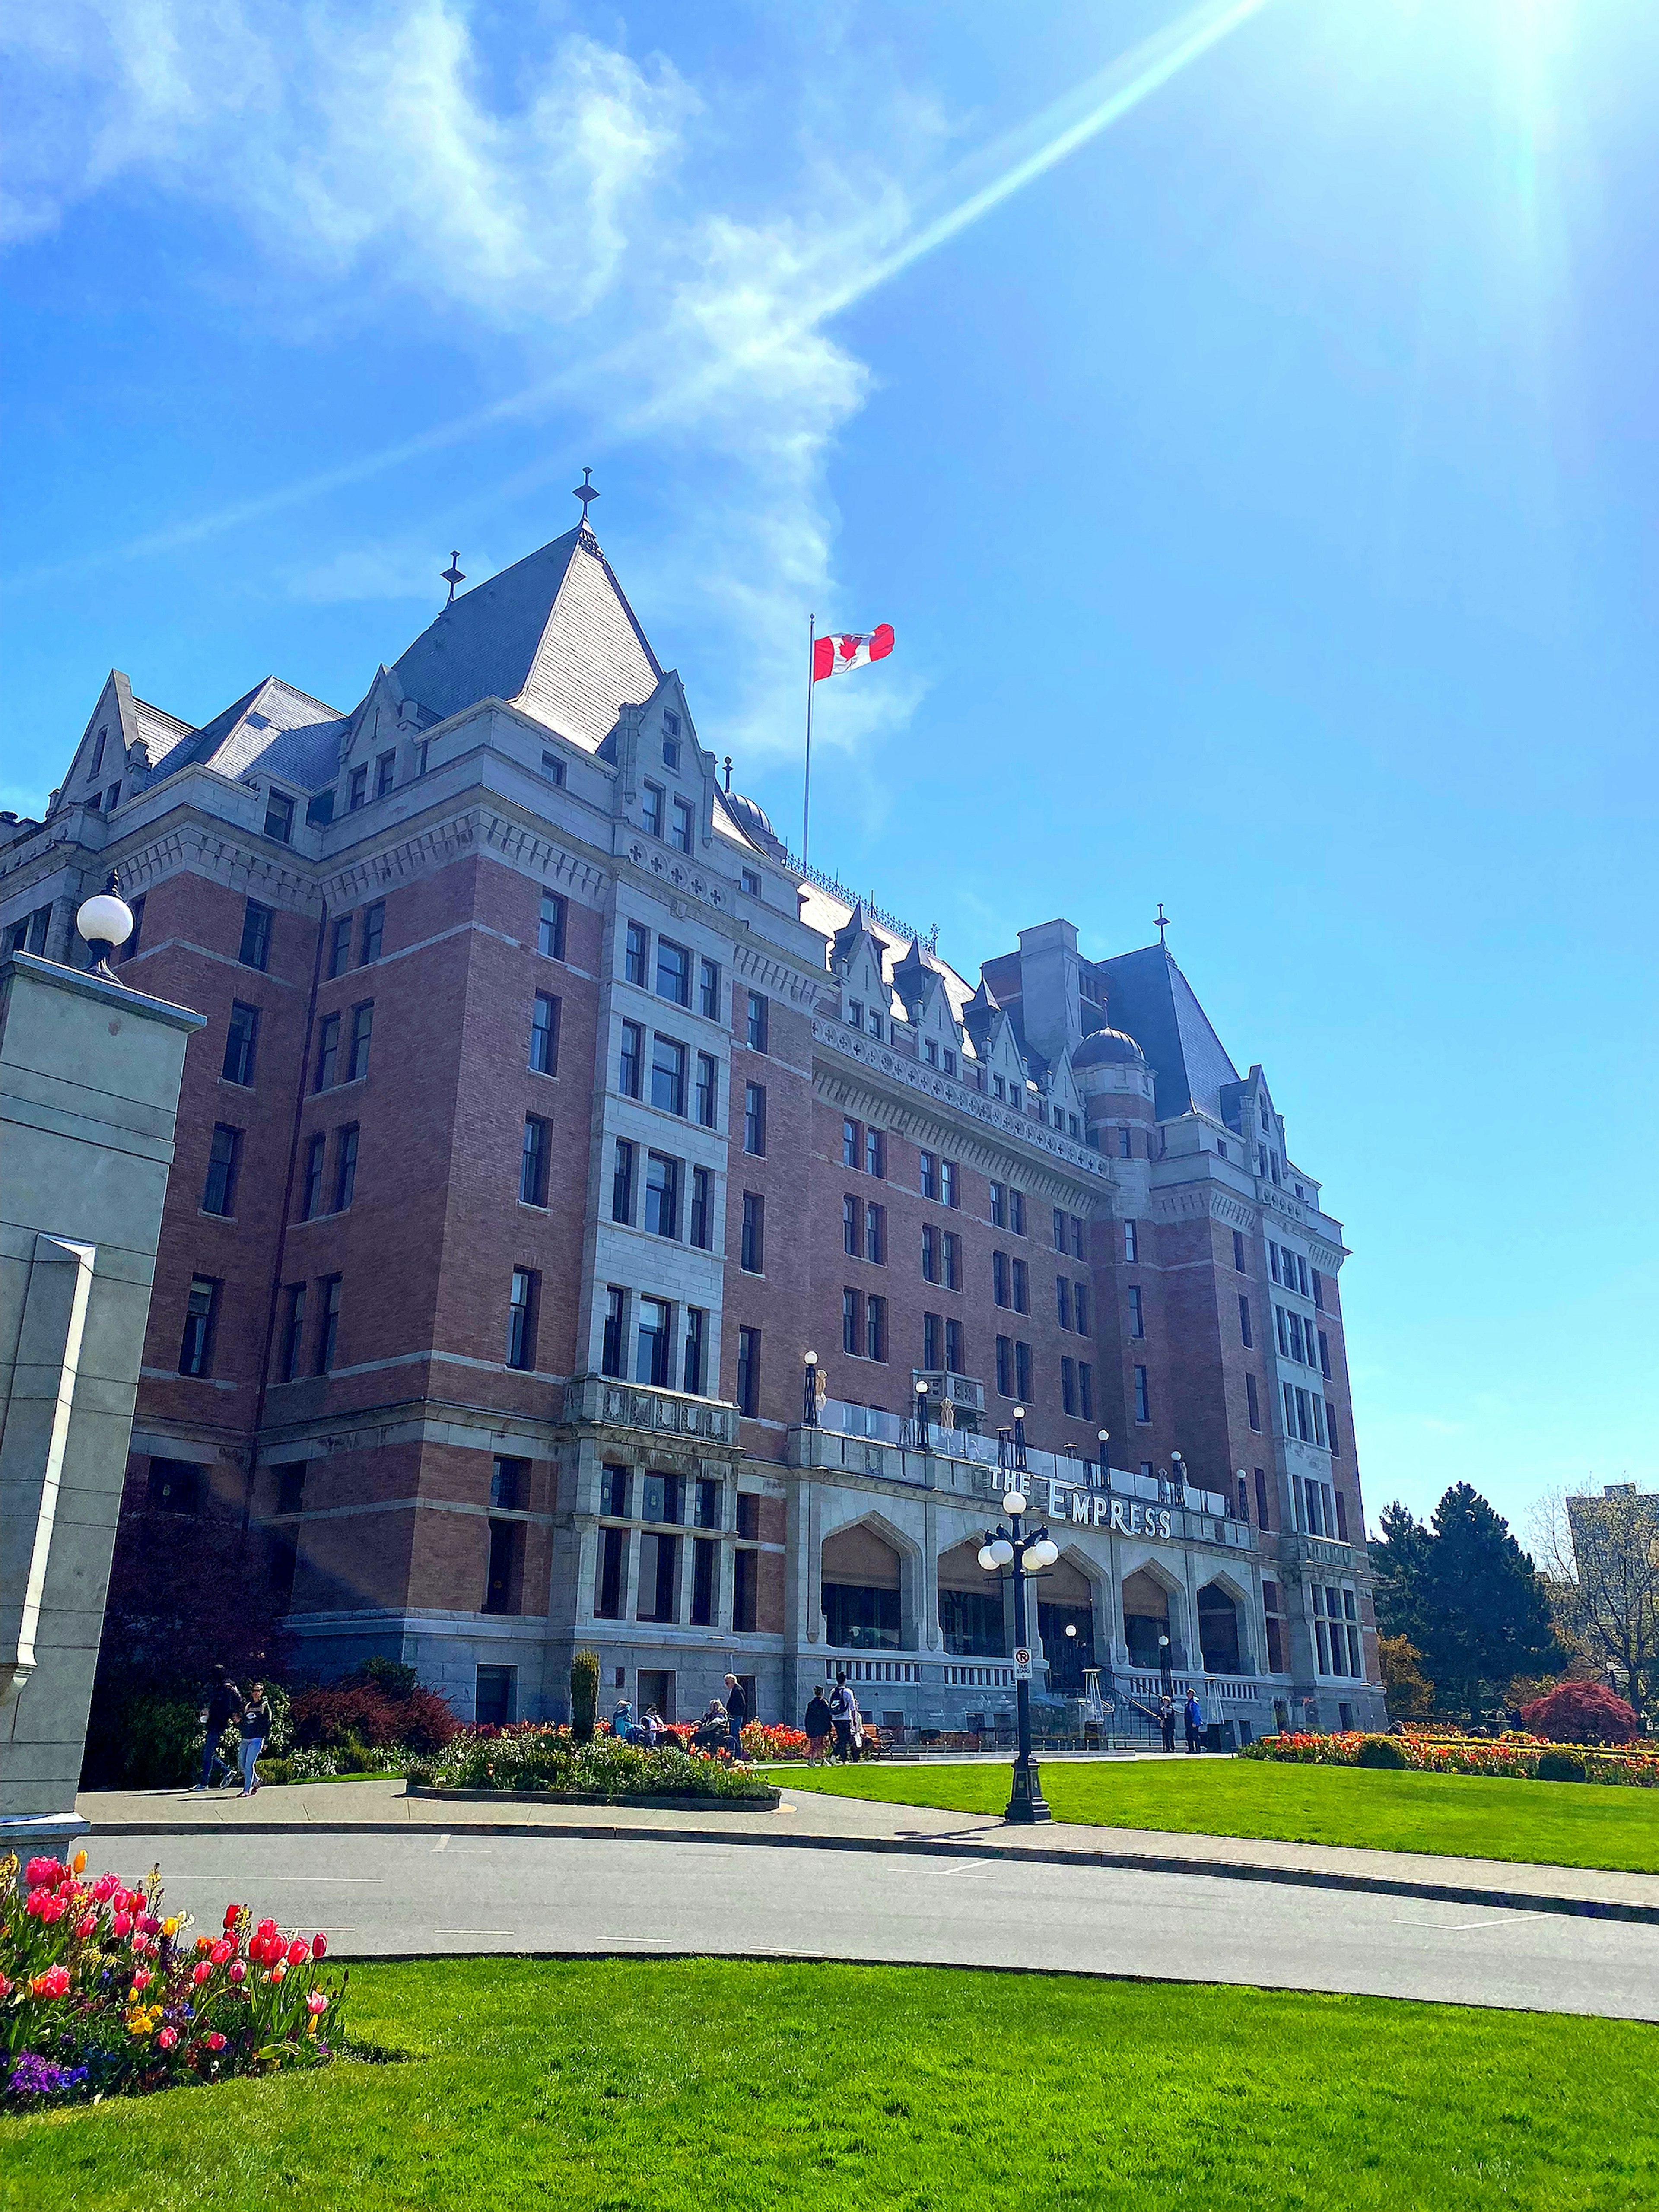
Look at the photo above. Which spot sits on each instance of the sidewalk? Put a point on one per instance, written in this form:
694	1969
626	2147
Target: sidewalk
856	1824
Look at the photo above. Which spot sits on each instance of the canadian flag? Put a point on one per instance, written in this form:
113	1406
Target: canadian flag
833	656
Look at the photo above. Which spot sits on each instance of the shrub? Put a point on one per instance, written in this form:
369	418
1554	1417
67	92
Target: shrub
1559	1766
534	1756
762	1740
329	1717
1582	1712
389	1676
584	1694
1380	1751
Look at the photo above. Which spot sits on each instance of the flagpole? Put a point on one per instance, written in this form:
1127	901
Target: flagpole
806	788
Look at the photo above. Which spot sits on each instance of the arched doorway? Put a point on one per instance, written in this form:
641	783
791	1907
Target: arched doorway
1218	1630
969	1606
1145	1618
860	1592
1065	1600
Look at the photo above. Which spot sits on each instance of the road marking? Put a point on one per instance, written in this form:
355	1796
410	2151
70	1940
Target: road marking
442	1844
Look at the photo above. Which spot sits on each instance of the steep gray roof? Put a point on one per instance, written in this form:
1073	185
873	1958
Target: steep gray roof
553	634
275	728
1148	996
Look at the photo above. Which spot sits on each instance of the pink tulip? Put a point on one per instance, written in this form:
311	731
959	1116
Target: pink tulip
298	1952
219	1953
200	1974
168	2038
238	1972
316	2002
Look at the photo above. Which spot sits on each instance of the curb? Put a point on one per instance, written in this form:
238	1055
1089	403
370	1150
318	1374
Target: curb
1512	1900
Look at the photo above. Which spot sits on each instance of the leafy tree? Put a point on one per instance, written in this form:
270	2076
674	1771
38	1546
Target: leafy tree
1410	1692
1581	1712
1483	1610
1600	1557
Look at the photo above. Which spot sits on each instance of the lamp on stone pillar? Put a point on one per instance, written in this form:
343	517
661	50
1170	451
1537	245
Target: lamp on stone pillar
1026	1555
1180	1468
1163	1665
921	1410
1102	1438
809	1395
1019	1440
105	921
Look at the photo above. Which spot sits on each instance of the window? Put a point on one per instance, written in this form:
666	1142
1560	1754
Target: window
98	754
550	930
929	1169
504	1577
1059	1229
933	1053
668	1075
673	972
357	789
932	1348
696	1334
279	817
1080	1302
679	835
1318	1290
1022	1293
1068	1387
1016	1212
662	1195
362	1024
627	1060
705	1560
855	1013
1330	1428
851	1322
1261	1514
224	1157
1244	1335
1131	1243
636	946
544	1035
552	767
744	1580
241	1044
748	1356
613	1553
709	1509
875	1235
418	753
872	1021
1085	1390
760	1022
950	1187
622	1182
1324	1355
339	945
610	1348
1143	1396
1125	1144
509	1486
875	1328
1253	1404
328	1335
1137	1310
293	1328
129	950
201	1326
532	1162
999	1206
345	1166
1273	1261
671	741
700	1227
1063	1299
751	1248
1000	1277
174	1486
651	813
1341	1520
311	1202
849	1144
256	935
708	989
385	767
954	1358
750	882
1023	1372
373	931
653	1344
1005	1367
1077	1236
1239	1251
111	799
950	1061
875	1154
851	1224
929	1253
290	1486
1318	1407
754	1118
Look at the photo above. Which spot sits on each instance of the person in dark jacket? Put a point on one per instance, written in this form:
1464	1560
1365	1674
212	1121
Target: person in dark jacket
1193	1713
253	1725
847	1719
736	1712
224	1702
818	1724
1166	1722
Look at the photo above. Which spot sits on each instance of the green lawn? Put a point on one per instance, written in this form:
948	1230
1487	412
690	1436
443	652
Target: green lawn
634	2085
1551	1823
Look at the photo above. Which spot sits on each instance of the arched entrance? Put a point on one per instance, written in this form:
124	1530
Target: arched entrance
861	1581
1145	1618
969	1605
1218	1630
1065	1600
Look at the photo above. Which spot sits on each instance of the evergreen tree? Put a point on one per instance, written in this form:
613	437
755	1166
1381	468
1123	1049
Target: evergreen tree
1482	1608
1399	1560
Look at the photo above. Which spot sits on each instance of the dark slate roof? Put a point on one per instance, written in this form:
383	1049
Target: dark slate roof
275	728
554	633
1152	1000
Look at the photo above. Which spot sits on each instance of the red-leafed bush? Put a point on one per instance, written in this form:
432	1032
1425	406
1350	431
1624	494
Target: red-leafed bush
335	1715
1582	1712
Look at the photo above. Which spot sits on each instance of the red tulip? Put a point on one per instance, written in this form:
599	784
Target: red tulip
238	1971
298	1952
319	1947
231	1913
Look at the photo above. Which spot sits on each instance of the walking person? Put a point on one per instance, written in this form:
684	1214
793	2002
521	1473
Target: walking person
1166	1722
1195	1718
736	1712
846	1719
819	1725
224	1702
253	1725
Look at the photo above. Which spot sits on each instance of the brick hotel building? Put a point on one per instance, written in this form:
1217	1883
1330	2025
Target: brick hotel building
549	1116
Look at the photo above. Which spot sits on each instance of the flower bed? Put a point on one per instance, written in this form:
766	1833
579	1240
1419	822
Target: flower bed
547	1760
101	1994
1516	1755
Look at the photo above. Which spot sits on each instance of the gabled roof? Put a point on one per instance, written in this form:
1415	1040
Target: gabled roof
1149	997
275	728
553	634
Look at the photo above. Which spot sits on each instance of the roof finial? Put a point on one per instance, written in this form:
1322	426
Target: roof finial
452	576
585	493
726	764
1163	921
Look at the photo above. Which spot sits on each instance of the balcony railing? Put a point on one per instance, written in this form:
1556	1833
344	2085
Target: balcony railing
618	1404
1317	1551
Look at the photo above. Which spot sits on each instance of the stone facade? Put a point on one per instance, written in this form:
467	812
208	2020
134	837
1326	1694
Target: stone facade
547	1115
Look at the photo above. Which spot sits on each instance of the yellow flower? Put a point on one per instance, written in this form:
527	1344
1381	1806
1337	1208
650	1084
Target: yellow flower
170	1926
79	1862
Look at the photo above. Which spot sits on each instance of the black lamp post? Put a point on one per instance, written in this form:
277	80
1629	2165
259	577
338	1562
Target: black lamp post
921	1410
1019	1441
809	1399
1026	1555
105	921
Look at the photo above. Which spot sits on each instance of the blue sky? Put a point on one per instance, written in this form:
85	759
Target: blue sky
1261	492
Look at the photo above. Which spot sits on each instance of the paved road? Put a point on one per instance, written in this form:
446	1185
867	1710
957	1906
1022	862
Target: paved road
548	1892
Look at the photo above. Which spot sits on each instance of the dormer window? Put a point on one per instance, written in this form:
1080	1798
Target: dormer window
356	788
386	767
950	1063
999	1088
654	797
552	767
279	817
855	1013
679	835
751	882
933	1053
671	741
875	1022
